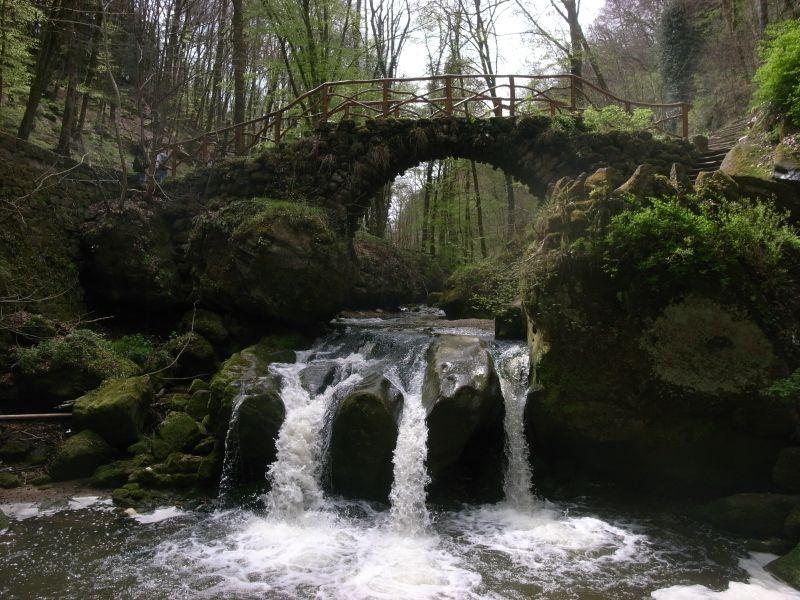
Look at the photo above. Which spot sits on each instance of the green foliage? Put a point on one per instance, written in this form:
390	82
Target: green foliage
778	79
15	45
79	349
666	242
137	348
489	285
789	387
615	118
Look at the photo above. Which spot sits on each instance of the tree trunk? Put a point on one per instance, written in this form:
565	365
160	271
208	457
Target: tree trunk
71	67
763	14
426	206
91	73
478	209
42	74
239	60
512	207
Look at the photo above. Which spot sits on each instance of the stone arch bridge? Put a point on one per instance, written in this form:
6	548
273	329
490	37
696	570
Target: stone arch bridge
341	166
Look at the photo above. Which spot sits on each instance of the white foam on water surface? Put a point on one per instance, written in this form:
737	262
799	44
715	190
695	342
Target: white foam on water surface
159	514
20	511
761	585
316	555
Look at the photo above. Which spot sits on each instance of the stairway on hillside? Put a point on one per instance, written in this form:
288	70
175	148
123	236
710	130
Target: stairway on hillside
719	144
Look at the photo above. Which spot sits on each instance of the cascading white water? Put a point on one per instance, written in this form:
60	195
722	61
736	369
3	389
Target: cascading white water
513	365
408	513
295	475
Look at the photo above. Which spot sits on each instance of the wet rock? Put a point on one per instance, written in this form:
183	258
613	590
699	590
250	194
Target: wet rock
260	415
759	515
79	456
787	567
786	473
363	438
5	522
116	410
462	398
318	376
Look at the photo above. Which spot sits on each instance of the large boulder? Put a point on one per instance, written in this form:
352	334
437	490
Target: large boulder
464	405
116	410
176	433
79	456
271	259
254	431
363	438
652	345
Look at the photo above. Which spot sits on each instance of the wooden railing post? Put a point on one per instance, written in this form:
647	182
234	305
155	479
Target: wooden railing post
573	93
685	119
448	95
385	102
323	103
512	97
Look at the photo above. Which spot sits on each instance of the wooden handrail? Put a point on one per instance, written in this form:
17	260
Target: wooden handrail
451	96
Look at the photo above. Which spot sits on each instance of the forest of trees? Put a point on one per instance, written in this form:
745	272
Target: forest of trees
98	79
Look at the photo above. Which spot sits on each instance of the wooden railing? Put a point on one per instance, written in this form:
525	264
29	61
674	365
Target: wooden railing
475	96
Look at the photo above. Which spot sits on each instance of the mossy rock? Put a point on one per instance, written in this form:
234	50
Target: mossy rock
192	355
250	362
271	259
5	522
750	157
758	515
132	495
209	471
177	432
197	404
14	449
363	438
79	456
9	480
197	385
787	567
177	401
206	323
112	475
66	367
179	462
116	410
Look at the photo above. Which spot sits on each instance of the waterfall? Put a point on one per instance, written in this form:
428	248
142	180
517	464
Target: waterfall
513	365
231	457
408	513
295	475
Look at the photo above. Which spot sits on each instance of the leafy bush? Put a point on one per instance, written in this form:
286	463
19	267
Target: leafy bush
666	241
615	118
486	287
137	348
788	387
778	78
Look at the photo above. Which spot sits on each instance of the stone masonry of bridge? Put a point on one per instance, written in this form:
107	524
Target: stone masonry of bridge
340	166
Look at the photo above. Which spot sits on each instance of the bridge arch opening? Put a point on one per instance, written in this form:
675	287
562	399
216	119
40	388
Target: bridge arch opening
457	210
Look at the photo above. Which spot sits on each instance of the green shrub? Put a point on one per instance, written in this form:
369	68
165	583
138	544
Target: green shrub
615	118
664	242
778	78
136	347
788	387
488	286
